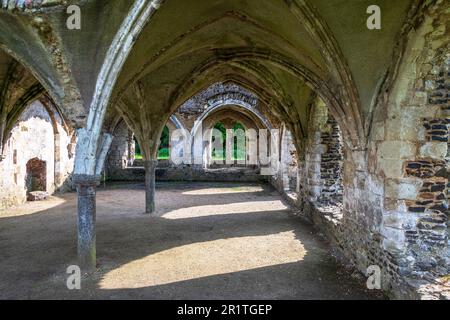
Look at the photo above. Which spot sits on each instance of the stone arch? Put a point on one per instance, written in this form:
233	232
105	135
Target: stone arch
239	112
38	133
51	76
176	123
323	38
350	123
87	163
224	102
121	153
289	163
324	158
245	102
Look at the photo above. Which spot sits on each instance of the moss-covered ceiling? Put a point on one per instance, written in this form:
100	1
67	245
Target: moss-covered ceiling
272	45
281	49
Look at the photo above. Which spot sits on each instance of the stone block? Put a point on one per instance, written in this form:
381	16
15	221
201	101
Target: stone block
37	196
405	128
434	150
394	239
378	131
396	150
391	167
402	189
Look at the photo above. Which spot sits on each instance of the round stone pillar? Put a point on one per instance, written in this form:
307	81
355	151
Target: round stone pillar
86	190
150	167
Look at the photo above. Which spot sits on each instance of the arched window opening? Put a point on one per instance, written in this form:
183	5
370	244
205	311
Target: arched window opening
137	150
239	145
218	154
237	142
164	146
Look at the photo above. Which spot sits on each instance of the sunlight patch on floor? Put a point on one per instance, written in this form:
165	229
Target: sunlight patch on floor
205	259
230	208
224	190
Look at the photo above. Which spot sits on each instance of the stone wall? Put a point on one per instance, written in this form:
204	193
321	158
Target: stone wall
34	137
331	162
395	192
224	102
121	152
323	158
219	92
412	157
285	179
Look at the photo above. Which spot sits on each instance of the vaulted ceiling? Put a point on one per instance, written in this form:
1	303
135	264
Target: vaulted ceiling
286	51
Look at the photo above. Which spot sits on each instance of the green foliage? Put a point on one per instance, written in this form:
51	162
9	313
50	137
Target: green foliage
164	140
238	153
163	154
137	148
216	154
163	151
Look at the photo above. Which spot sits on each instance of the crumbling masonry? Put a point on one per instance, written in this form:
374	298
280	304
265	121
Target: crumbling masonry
363	115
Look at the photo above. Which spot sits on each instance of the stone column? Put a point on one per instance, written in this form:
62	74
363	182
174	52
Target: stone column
207	158
229	149
131	148
150	167
86	187
58	174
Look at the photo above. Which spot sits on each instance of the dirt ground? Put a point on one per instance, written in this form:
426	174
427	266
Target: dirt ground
206	241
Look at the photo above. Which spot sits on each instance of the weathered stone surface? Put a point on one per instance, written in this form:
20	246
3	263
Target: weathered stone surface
37	196
33	137
86	206
402	189
393	150
434	150
372	150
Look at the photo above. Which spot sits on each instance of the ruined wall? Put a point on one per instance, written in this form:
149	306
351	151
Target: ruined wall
395	197
224	102
217	93
33	137
324	158
121	151
331	162
411	158
285	179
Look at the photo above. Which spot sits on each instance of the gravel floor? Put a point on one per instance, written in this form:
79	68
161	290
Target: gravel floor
206	241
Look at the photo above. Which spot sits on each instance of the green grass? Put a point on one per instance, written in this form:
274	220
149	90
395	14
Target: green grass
163	154
238	155
222	158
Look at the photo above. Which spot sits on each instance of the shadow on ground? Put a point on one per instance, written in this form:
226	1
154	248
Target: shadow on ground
207	241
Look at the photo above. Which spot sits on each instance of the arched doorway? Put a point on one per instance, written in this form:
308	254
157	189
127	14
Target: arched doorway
36	177
232	145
